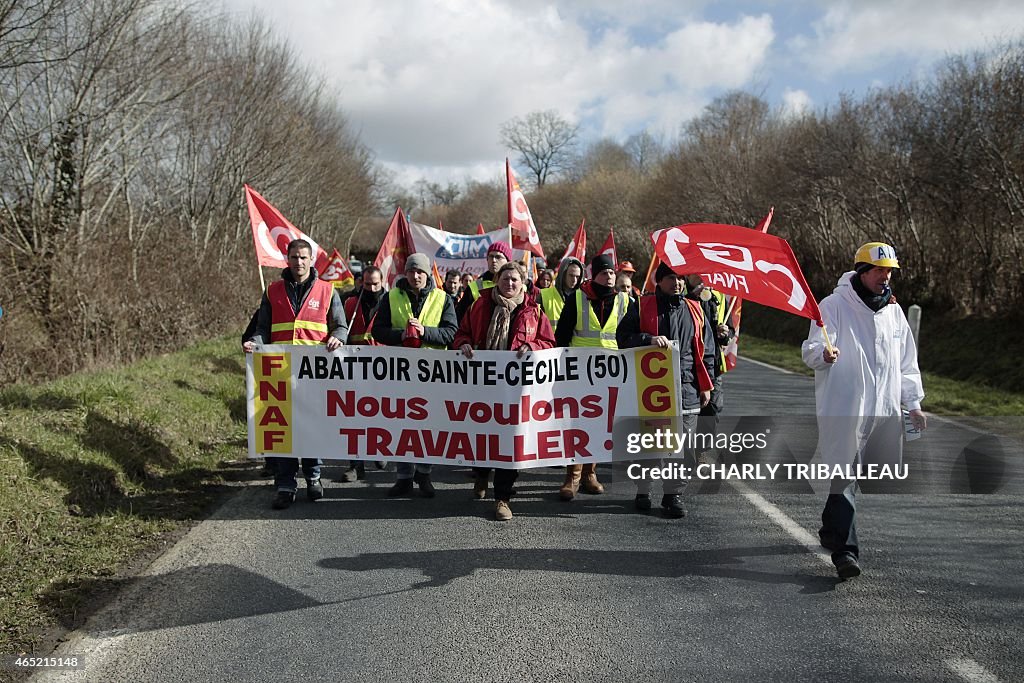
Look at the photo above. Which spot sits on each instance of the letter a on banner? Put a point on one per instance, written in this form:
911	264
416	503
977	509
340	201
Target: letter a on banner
272	232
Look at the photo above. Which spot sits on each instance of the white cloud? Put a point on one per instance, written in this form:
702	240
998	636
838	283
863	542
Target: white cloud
857	36
429	83
795	102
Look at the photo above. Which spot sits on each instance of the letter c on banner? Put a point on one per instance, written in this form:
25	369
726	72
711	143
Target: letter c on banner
654	364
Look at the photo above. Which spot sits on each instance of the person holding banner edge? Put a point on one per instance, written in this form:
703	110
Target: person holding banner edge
299	308
668	316
859	392
505	318
415	313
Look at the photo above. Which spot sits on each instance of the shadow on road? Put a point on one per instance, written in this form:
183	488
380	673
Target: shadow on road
444	566
219	592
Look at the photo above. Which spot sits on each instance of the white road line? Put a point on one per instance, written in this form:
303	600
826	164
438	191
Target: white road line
964	667
969	670
796	532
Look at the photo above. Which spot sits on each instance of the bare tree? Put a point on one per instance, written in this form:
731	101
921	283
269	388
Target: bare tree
544	141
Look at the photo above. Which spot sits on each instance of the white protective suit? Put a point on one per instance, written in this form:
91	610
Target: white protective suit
858	397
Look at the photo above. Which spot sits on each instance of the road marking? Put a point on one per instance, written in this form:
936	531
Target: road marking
796	532
971	671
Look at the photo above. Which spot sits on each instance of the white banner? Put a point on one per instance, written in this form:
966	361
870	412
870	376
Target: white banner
552	407
454	251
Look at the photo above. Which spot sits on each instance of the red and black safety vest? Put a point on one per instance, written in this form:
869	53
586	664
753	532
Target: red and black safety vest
649	324
308	325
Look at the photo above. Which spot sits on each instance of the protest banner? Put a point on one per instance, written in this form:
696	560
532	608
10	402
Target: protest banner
551	407
455	251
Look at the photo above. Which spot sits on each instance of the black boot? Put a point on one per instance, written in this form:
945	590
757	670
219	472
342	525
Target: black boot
672	506
402	488
426	487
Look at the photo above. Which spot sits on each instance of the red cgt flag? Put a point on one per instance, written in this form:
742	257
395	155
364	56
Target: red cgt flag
578	246
740	262
338	273
609	248
520	222
272	232
480	229
396	247
732	349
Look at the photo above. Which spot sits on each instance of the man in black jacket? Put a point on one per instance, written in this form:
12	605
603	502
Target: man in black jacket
660	319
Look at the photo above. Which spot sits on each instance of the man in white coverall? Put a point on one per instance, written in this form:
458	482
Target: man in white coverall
859	391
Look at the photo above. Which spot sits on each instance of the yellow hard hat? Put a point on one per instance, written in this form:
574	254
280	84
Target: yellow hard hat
877	254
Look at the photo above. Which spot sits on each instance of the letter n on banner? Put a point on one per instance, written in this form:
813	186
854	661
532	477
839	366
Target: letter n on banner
273	403
655	386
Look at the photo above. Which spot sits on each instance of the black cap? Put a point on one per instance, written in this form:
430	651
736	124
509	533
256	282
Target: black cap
662	271
601	262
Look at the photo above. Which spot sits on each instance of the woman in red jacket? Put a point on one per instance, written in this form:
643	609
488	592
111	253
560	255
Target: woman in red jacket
505	318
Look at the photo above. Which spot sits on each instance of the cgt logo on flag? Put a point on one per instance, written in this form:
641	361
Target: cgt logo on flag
739	261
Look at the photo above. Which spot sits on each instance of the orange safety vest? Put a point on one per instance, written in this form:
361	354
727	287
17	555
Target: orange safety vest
649	324
359	330
306	326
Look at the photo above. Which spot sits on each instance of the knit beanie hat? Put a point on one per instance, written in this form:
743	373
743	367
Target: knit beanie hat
502	248
418	261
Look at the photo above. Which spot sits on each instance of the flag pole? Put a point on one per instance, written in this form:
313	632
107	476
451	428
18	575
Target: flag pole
263	283
828	342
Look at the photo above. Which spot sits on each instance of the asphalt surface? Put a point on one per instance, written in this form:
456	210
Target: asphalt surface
357	587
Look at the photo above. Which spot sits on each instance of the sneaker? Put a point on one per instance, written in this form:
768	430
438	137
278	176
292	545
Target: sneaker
642	502
672	506
348	476
426	487
283	499
502	511
402	488
846	566
314	490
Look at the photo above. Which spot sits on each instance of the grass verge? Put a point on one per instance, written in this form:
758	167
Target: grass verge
98	470
943	396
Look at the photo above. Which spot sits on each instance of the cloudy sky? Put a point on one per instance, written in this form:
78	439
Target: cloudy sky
429	82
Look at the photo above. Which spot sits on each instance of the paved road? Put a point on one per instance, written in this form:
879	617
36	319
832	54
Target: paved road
360	588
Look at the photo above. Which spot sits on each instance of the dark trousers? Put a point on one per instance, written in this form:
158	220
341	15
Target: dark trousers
504	480
838	519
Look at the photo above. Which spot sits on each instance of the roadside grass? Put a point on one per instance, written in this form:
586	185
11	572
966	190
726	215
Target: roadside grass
97	470
943	396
